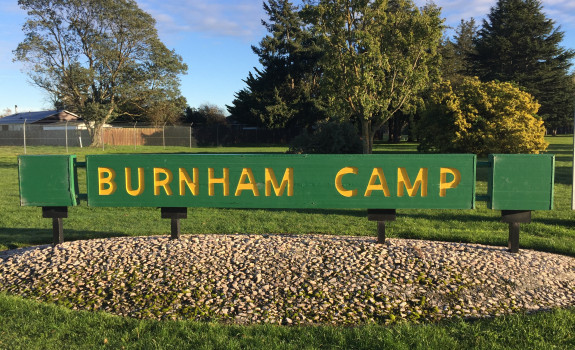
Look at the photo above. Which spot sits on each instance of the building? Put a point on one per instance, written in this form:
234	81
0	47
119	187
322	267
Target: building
45	128
16	121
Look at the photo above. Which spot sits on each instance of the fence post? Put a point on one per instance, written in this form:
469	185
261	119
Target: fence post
164	135
191	135
135	135
24	130
66	132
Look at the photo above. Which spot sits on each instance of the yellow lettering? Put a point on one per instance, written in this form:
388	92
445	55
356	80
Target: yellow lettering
251	185
443	184
106	184
185	180
271	181
338	181
377	174
162	183
403	182
129	187
225	181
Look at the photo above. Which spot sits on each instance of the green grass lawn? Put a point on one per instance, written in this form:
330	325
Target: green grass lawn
26	324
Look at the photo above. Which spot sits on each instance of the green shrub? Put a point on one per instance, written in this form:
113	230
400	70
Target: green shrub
481	118
329	138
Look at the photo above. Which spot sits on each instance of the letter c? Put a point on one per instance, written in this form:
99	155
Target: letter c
339	185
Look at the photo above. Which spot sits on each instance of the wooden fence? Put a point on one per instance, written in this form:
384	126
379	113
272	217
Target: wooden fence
168	136
183	136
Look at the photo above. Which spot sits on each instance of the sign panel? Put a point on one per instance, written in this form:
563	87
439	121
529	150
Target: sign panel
521	181
282	181
47	180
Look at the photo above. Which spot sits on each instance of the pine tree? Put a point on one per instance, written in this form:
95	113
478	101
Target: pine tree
285	92
456	52
518	43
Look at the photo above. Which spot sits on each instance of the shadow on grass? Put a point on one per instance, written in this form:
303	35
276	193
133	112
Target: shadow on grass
560	148
493	216
343	212
14	238
563	175
461	216
567	223
8	165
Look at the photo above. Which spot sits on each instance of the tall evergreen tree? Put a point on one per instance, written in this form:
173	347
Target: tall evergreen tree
456	52
284	93
518	43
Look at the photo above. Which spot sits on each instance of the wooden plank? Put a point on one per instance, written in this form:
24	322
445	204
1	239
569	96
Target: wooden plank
47	180
282	181
521	181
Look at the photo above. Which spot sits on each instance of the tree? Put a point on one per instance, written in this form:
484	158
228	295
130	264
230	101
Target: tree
378	56
99	58
333	137
166	111
5	112
213	114
518	43
285	91
456	52
481	118
206	114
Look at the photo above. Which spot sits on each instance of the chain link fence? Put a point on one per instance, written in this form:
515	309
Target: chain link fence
74	135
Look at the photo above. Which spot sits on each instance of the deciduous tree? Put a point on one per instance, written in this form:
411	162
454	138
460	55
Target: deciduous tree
206	114
100	58
378	56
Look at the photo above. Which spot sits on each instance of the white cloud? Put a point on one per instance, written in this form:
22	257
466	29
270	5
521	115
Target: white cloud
561	11
217	18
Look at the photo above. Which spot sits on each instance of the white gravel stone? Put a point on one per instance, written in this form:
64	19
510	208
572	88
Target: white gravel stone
295	279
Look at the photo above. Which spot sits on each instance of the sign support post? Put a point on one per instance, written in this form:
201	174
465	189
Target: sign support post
56	214
381	216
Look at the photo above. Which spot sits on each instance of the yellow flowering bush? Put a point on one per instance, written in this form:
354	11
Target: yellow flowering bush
481	118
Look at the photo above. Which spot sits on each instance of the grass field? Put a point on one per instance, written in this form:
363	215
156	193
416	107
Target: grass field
25	324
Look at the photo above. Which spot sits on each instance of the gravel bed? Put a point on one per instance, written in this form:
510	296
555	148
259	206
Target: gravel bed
287	279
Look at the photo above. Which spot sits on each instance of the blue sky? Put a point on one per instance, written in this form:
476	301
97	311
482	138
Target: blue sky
214	39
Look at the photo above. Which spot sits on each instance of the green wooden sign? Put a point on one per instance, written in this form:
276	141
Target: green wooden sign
48	180
521	181
282	181
517	184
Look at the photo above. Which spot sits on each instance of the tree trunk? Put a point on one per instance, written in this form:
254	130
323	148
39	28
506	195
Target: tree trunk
97	135
98	129
410	126
396	124
366	136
